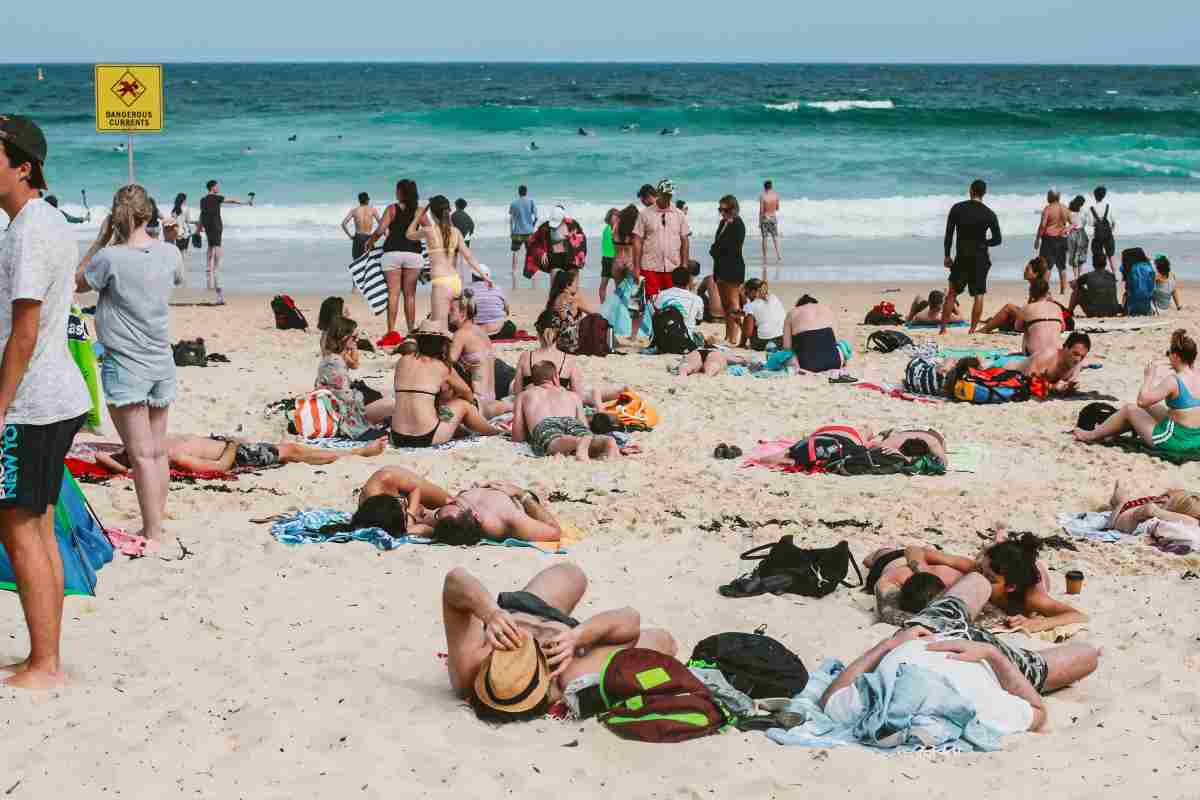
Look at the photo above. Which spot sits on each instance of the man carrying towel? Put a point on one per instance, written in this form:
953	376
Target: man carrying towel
43	399
512	655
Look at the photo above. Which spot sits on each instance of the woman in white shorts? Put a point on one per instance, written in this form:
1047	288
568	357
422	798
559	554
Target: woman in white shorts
401	262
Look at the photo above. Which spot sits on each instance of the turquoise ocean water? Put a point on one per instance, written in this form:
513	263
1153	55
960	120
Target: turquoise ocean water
867	157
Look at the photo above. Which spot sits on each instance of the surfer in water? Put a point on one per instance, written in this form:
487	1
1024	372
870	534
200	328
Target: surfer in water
532	146
669	132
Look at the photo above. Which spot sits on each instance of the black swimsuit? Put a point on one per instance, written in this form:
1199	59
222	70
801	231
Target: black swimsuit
816	351
565	383
408	440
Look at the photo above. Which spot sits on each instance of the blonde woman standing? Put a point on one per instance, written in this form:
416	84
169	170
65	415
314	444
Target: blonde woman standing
444	243
133	274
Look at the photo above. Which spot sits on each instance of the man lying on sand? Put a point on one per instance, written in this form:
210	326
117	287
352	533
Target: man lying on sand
1005	683
512	656
205	454
1058	367
552	419
496	510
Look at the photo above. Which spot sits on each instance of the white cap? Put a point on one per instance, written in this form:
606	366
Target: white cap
557	215
485	271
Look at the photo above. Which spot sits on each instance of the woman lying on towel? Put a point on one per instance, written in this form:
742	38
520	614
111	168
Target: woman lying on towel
808	333
1167	413
1177	506
912	443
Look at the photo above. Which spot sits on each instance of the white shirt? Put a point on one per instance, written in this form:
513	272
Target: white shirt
768	316
37	262
994	706
690	305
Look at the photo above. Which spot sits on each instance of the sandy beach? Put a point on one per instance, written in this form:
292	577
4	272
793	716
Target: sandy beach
227	665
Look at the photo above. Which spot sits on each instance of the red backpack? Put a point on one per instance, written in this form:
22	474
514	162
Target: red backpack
287	316
652	697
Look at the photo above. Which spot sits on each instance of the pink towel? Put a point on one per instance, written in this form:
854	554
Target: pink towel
769	448
126	543
897	394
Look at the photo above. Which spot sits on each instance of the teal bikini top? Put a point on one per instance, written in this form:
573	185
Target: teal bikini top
1185	398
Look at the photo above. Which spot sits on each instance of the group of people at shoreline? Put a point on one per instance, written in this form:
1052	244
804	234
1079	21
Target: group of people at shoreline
445	384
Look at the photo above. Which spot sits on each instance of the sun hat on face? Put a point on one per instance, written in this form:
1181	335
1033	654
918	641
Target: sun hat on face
666	186
513	681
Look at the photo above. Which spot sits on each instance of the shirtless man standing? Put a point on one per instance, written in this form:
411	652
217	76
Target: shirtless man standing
512	655
768	222
1059	368
365	219
497	510
551	419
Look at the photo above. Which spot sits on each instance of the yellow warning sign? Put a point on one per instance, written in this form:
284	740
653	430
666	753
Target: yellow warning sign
129	98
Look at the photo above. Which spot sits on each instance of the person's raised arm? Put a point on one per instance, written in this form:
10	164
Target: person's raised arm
102	240
464	600
413	233
936	558
384	224
537	524
469	257
457	345
620	626
1154	391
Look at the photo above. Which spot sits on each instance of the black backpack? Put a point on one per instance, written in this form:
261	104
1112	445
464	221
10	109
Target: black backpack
1094	415
788	569
754	664
887	341
287	316
190	353
671	333
1102	230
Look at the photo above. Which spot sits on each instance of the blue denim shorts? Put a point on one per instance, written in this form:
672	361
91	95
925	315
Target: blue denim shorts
122	387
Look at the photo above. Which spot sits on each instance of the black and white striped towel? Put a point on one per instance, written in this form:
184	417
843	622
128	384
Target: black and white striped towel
368	277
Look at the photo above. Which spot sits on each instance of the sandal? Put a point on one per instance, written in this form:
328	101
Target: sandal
734	451
752	585
722	451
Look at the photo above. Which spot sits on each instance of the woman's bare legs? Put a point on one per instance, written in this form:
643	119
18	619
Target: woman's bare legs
143	431
731	301
715	364
1130	417
440	303
393	280
1004	317
408	283
690	364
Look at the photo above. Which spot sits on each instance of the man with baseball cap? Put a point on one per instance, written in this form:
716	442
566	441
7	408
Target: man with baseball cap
43	399
513	654
660	242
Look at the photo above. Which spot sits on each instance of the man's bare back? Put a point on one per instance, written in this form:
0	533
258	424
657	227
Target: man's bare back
768	203
364	219
539	402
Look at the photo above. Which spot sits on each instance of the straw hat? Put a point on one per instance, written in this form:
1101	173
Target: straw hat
513	681
429	327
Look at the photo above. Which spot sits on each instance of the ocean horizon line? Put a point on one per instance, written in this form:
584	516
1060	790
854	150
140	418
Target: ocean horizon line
1075	63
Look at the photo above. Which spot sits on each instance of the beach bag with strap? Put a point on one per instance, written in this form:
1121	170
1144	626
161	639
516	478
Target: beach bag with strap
997	385
1093	415
888	341
1139	289
595	336
1102	231
287	316
190	353
754	664
316	415
671	333
921	377
651	697
884	313
633	412
812	572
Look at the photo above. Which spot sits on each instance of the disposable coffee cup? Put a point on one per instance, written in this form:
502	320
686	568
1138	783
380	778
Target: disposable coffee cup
1074	582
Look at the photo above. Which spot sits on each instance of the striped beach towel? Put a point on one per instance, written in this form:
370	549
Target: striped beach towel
368	277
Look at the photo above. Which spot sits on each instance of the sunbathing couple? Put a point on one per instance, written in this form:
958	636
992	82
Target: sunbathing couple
1059	367
514	654
909	443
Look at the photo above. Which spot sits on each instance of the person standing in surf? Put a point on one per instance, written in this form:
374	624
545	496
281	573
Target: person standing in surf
214	230
522	222
365	218
401	261
977	229
768	223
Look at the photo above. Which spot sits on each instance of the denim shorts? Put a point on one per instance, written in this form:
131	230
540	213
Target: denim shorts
123	387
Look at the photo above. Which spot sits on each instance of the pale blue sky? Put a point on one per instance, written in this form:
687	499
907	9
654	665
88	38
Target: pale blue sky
1041	31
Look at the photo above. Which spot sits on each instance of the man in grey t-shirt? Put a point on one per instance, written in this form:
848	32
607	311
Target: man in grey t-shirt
522	222
43	398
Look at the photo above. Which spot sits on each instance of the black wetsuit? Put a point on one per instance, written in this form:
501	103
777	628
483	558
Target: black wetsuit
972	221
210	218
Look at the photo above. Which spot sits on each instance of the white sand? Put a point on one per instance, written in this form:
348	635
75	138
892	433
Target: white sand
262	671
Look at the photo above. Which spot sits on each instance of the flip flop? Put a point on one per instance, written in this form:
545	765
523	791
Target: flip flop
722	451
